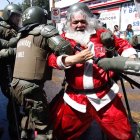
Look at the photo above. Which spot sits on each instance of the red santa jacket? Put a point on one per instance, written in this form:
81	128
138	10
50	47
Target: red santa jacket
82	77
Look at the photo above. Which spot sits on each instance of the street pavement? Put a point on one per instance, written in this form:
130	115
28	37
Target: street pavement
53	87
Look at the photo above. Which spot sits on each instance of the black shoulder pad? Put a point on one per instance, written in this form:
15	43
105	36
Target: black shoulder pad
49	31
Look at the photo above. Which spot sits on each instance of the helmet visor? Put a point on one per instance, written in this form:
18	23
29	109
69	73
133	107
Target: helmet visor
16	19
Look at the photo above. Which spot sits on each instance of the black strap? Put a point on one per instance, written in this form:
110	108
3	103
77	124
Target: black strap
90	91
131	81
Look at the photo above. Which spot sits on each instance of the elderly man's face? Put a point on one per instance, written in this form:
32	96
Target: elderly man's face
78	22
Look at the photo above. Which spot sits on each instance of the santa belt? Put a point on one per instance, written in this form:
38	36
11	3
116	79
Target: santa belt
90	91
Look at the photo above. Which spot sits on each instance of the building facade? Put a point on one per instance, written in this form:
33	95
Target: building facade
112	12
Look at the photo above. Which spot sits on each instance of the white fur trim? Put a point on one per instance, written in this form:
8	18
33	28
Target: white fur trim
68	35
74	104
100	103
94	100
88	70
128	52
93	32
87	77
60	63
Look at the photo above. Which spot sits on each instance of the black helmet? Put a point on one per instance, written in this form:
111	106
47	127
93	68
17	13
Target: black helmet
34	15
79	6
10	9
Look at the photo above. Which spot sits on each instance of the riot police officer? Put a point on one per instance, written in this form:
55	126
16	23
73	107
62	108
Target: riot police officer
37	41
9	26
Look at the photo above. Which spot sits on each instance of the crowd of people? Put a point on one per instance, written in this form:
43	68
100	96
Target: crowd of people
129	36
85	51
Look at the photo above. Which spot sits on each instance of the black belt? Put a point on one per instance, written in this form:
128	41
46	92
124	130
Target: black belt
90	91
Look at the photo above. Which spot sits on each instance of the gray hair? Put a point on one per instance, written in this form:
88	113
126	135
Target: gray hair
92	22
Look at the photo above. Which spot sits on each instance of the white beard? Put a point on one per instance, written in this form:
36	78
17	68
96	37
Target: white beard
80	37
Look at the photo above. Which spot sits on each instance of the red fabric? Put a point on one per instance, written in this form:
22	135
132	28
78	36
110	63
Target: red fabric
69	124
99	75
120	43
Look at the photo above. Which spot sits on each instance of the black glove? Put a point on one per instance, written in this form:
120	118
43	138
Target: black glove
108	40
12	42
7	53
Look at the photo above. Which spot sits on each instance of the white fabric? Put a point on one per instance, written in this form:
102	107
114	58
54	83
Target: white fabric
128	52
100	103
74	104
60	63
88	70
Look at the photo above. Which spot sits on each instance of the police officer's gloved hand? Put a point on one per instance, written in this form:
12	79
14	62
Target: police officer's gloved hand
7	53
13	41
117	63
108	40
4	44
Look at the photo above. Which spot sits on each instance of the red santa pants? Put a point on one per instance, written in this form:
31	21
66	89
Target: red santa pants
69	124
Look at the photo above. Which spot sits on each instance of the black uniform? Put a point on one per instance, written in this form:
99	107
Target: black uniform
8	39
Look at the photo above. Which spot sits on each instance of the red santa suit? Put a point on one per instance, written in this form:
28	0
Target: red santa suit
91	95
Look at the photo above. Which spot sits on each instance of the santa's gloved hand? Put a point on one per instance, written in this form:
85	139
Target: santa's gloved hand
117	63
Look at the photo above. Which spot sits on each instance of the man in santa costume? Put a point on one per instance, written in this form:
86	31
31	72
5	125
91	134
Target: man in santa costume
91	93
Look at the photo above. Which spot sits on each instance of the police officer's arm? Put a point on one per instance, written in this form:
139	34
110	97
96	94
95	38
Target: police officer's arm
7	54
4	44
55	41
121	64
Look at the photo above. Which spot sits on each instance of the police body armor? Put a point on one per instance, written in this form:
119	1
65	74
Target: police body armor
31	60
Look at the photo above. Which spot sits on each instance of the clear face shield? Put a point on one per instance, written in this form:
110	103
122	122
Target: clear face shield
16	19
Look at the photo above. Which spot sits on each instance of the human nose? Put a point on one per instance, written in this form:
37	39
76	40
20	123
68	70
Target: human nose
79	24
